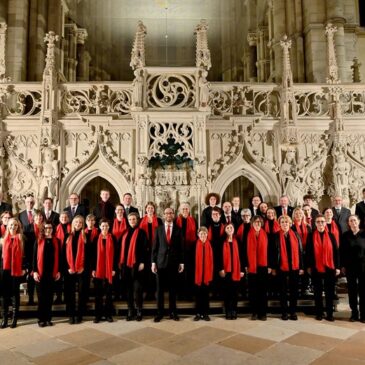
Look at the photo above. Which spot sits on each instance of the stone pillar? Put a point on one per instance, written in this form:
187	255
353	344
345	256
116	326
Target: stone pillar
83	57
70	46
3	11
252	70
279	27
17	39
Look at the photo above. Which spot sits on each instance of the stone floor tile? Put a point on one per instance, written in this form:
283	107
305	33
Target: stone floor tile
238	326
321	343
351	349
85	336
209	334
110	347
11	338
116	328
42	348
246	343
8	357
270	332
67	357
334	358
147	335
144	356
286	354
185	324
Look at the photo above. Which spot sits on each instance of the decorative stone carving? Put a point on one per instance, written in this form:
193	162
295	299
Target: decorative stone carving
138	50
202	51
356	75
332	76
204	87
3	77
137	93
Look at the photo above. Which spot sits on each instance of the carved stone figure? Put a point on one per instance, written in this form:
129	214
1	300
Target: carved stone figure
204	87
48	173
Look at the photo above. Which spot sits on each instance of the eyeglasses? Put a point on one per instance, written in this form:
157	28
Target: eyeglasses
321	222
48	227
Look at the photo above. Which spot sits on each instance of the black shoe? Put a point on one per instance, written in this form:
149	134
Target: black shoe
41	324
4	323
263	317
158	318
130	315
253	317
319	317
354	317
293	317
78	320
139	316
197	318
330	318
96	320
284	317
362	320
174	316
109	319
49	323
72	320
233	315
206	317
14	323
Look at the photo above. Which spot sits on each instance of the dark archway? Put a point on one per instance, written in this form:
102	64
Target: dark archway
242	187
90	193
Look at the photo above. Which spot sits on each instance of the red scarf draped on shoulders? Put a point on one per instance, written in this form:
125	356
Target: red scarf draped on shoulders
275	227
294	246
240	231
256	250
119	227
231	263
60	234
2	230
144	225
203	259
335	231
76	265
94	233
190	234
131	256
13	254
323	251
40	256
302	230
210	232
105	258
36	230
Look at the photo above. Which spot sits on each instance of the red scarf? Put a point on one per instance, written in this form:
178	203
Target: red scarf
131	257
144	225
256	250
235	269
190	233
210	232
203	261
78	264
104	264
40	256
119	227
240	230
334	230
13	255
323	251
275	227
3	230
302	230
36	230
60	234
294	245
94	233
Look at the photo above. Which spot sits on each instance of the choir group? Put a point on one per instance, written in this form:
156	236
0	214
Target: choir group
261	250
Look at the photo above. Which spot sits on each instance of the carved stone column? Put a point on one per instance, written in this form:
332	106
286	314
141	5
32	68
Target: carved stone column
70	47
3	28
83	56
3	11
252	69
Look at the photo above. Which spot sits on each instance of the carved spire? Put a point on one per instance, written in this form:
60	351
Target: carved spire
3	28
287	77
332	77
50	39
202	51
138	50
356	75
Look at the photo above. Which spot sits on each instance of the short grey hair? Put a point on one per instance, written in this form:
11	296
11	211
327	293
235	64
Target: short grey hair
246	212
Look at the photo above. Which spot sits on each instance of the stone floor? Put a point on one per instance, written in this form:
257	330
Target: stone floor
243	341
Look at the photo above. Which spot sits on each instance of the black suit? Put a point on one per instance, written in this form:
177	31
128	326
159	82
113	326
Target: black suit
81	210
5	207
234	221
104	212
131	210
236	217
27	226
360	212
167	257
279	211
54	218
341	218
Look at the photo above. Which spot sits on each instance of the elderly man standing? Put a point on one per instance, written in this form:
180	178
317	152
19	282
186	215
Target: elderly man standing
340	214
167	263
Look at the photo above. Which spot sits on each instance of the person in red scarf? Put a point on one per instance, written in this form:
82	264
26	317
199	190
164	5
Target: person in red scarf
4	218
332	226
148	224
258	265
74	270
63	229
231	271
203	274
46	270
103	272
12	270
211	201
188	228
288	267
132	262
323	265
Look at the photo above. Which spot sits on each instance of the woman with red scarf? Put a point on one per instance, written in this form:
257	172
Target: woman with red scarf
203	274
231	271
74	270
148	224
4	218
11	270
288	267
332	226
258	264
132	263
323	265
188	228
46	271
103	272
92	234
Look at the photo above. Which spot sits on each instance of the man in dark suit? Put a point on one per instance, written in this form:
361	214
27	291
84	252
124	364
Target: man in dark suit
167	263
340	214
26	216
254	207
360	210
127	202
75	208
227	216
4	207
284	208
105	208
49	215
236	210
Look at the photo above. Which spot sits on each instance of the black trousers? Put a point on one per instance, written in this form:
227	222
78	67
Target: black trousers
289	287
103	289
166	279
202	299
134	285
30	287
257	288
324	282
356	291
230	293
75	304
45	289
10	293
